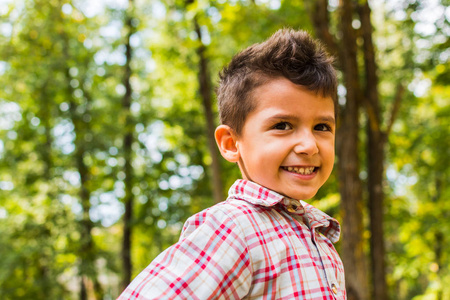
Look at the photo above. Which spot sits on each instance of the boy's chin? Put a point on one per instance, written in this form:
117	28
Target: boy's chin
300	195
303	197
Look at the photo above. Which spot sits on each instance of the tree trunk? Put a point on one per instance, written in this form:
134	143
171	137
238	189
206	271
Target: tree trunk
87	246
348	164
127	154
375	169
321	20
439	236
45	117
205	93
376	141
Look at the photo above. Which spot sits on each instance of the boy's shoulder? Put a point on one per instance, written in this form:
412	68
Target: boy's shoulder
233	212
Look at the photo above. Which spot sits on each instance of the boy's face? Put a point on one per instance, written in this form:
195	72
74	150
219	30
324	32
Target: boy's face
287	142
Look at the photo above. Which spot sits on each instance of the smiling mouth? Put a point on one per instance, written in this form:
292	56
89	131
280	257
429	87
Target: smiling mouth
301	170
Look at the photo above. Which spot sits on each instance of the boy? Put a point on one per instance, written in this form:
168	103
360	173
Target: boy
277	103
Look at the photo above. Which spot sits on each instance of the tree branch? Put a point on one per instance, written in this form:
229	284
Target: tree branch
372	101
205	87
395	107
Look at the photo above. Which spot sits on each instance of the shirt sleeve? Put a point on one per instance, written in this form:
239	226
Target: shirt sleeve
210	261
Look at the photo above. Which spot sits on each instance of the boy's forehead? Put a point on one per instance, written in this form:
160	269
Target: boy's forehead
280	89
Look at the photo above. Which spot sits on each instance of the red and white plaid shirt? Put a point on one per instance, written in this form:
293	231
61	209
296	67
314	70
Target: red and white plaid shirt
257	244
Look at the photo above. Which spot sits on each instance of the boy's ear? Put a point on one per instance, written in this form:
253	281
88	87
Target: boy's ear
226	141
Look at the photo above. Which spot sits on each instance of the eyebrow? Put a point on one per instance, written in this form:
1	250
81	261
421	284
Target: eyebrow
326	119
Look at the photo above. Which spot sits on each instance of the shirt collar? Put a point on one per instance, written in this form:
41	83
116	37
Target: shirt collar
256	194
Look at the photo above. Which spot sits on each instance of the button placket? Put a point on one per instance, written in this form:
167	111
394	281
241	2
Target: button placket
331	279
296	209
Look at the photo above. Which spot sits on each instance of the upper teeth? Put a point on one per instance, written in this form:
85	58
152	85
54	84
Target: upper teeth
301	170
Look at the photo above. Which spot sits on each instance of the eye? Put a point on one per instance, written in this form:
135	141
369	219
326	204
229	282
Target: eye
282	126
322	127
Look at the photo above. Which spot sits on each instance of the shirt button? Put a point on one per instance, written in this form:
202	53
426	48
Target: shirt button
292	208
334	289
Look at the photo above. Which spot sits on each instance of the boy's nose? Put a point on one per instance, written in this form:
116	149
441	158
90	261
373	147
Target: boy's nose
306	144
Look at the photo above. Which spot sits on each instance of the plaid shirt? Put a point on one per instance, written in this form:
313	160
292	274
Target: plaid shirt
257	244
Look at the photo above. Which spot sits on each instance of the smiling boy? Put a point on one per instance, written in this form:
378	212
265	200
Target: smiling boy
277	109
287	141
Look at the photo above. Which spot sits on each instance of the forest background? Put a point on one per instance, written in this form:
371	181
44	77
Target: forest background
107	110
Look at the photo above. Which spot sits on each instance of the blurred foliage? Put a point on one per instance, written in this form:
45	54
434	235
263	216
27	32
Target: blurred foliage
61	128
